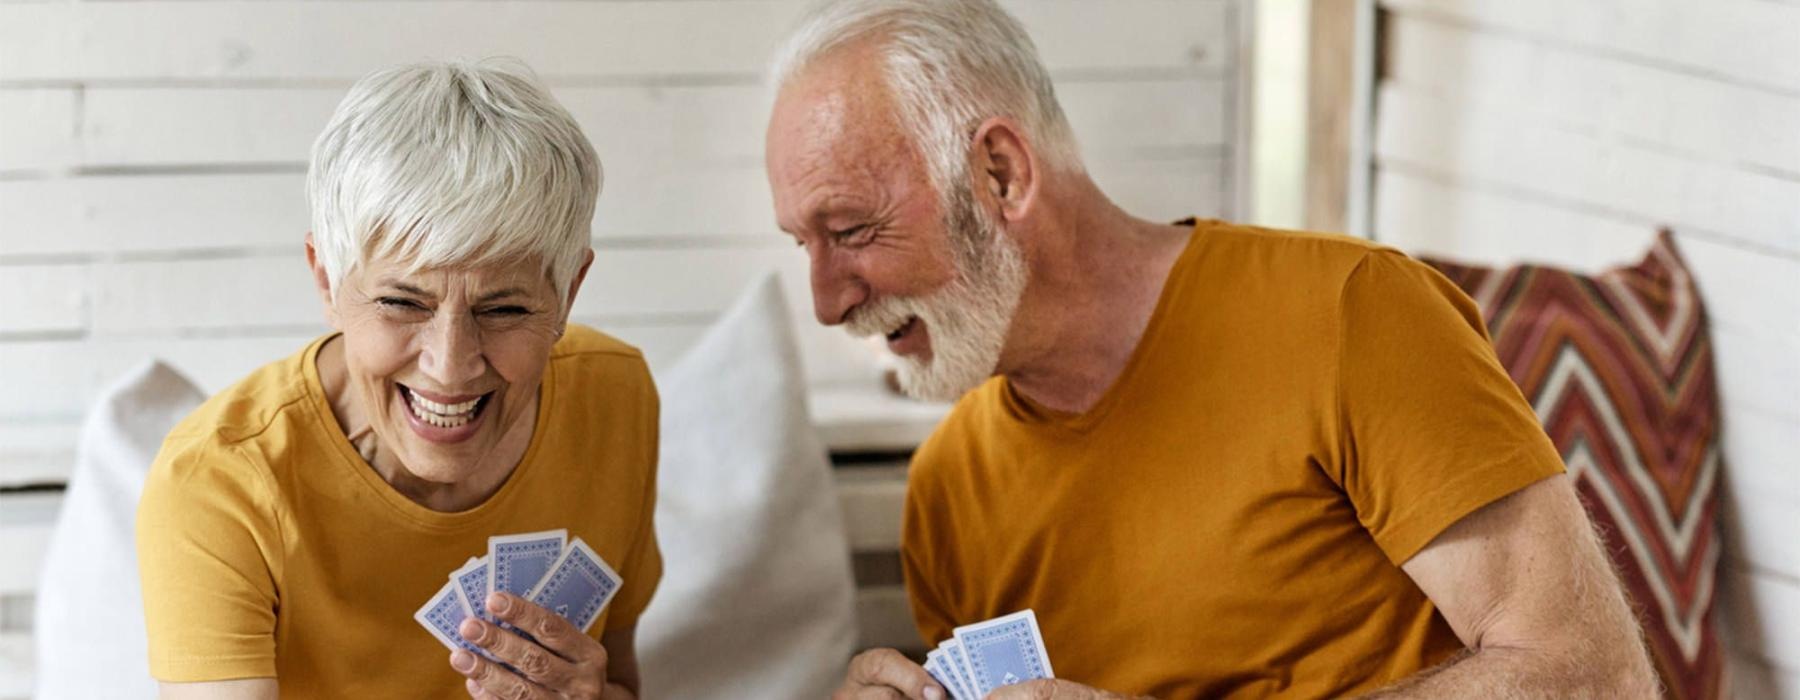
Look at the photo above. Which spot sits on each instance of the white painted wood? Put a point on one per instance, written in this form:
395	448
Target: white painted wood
1747	41
1515	150
872	499
24	532
44	299
124	214
279	40
1760	525
37	129
1574	89
1759	610
864	416
1754	679
36	451
644	128
18	667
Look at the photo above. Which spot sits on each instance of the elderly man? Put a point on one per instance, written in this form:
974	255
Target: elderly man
1216	460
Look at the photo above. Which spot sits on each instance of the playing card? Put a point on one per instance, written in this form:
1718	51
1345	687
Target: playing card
934	665
471	583
1004	651
442	615
516	563
957	663
578	586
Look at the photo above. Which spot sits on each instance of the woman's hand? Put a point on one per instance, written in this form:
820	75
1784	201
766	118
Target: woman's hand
563	662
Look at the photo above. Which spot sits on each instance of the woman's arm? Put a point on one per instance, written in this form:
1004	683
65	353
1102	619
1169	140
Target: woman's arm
240	689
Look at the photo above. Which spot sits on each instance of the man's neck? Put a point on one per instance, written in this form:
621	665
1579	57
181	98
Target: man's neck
1093	291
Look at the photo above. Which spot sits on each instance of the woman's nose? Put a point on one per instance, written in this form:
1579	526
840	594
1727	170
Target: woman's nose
452	353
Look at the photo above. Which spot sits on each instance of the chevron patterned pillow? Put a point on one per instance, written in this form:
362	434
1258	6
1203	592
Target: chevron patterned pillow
1619	368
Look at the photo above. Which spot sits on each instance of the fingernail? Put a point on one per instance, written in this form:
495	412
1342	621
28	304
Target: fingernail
462	661
498	603
470	629
932	693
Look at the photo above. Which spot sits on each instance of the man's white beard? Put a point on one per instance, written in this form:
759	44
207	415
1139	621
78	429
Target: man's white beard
968	318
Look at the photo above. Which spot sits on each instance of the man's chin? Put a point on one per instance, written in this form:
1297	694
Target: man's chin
925	381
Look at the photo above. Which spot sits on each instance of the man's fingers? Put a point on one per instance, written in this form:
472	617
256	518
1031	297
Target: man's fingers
1049	690
886	667
487	677
550	629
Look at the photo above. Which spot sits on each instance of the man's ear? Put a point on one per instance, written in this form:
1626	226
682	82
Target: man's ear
1005	168
321	283
575	285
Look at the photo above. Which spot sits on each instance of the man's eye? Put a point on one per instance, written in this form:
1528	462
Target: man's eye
850	233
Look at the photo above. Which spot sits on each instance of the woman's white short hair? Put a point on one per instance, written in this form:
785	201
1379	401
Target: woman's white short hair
453	163
951	64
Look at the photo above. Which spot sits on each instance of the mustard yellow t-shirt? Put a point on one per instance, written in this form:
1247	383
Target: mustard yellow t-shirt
1303	414
269	548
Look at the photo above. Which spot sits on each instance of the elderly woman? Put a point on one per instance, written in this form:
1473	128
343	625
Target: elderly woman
292	526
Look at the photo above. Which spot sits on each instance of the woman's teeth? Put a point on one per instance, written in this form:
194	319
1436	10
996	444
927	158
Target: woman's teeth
442	415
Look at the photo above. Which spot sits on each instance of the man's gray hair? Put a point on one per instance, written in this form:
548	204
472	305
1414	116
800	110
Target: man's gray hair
951	64
453	163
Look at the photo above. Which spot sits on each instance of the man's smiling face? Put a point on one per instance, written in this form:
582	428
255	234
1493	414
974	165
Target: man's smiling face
889	256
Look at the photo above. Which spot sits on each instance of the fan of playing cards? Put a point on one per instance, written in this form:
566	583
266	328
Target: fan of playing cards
564	577
987	655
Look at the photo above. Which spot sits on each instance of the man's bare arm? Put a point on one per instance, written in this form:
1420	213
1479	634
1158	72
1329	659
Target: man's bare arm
241	689
1525	585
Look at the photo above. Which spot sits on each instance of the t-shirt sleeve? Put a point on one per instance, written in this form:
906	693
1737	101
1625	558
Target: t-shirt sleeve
1431	426
643	566
206	534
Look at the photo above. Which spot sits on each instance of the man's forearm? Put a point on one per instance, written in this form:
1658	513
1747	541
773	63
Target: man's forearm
1521	674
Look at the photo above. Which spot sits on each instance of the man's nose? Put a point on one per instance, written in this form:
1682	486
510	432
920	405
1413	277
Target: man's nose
835	289
452	355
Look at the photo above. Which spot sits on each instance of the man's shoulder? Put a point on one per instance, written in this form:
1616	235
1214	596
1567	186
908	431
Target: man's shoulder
1295	250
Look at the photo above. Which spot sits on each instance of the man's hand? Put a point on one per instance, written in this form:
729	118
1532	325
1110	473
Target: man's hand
562	663
887	674
1051	690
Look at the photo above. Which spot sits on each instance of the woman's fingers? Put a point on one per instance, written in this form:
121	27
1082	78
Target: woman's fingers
487	678
548	628
532	661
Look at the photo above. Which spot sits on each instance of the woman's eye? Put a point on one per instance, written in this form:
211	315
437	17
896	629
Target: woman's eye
399	303
507	311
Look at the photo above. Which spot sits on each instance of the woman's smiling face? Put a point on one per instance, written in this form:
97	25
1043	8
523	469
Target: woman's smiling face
444	362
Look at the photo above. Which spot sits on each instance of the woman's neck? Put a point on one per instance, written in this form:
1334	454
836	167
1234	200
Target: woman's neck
487	478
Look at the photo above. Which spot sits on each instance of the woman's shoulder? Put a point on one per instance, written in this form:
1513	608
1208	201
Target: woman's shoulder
596	353
242	412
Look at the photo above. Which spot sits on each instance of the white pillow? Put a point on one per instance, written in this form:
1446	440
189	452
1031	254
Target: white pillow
90	609
756	599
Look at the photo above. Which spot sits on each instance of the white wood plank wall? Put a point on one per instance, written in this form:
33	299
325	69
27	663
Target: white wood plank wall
152	156
1565	132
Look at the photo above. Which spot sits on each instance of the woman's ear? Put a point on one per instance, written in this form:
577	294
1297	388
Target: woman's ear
575	286
1005	168
322	283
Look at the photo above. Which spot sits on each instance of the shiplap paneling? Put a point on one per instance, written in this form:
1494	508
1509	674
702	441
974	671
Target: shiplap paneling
43	299
37	129
1586	170
1572	89
1742	41
280	41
